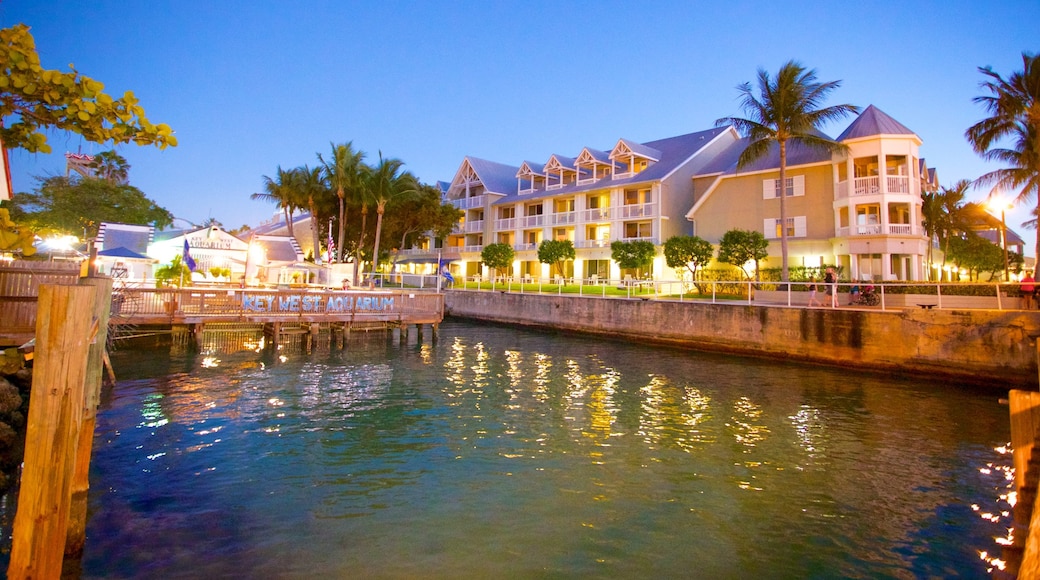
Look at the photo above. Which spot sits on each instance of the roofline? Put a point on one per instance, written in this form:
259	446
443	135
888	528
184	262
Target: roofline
723	175
700	150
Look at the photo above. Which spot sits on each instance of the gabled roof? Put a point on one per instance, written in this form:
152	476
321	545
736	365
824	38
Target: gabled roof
873	122
560	163
528	168
588	156
624	146
496	177
130	236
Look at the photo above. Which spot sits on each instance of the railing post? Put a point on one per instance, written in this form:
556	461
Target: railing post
938	294
998	297
882	296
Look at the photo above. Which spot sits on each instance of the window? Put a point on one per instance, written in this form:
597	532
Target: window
795	228
638	196
795	187
506	213
533	209
638	230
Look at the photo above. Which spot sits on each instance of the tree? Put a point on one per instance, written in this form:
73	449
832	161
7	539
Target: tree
555	253
1014	107
14	238
786	110
344	173
934	222
418	215
634	255
976	254
77	206
691	253
311	187
33	99
738	247
110	166
384	182
173	273
954	218
499	257
284	191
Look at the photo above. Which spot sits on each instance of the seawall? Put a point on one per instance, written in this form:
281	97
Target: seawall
994	348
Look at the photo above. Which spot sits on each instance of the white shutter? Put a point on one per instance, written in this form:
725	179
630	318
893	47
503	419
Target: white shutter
769	227
799	185
768	188
799	227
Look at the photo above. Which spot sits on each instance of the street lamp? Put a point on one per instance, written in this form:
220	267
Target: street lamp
996	203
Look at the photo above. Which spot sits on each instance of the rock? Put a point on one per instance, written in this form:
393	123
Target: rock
10	398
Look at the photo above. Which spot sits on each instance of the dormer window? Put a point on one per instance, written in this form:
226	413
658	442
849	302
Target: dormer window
593	165
633	158
559	171
530	178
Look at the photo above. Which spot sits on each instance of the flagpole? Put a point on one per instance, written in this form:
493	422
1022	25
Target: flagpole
438	271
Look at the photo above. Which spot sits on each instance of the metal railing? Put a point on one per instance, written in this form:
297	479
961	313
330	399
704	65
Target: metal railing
855	295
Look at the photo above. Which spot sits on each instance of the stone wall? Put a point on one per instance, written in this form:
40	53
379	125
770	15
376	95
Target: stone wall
988	347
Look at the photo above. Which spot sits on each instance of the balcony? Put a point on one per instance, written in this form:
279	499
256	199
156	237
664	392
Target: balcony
469	202
562	218
524	247
641	239
478	248
872	186
505	224
474	227
592	244
878	229
637	210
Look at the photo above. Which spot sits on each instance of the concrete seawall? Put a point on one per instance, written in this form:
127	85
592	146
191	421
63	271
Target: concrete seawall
988	347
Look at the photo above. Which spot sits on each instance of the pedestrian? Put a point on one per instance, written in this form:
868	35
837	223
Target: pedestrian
812	293
831	281
1027	288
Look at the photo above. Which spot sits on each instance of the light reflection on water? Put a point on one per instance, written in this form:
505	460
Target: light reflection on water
498	452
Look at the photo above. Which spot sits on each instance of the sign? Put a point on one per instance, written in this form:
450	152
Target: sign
315	303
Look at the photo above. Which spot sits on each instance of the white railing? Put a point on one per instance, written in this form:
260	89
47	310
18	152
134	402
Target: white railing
640	239
525	247
866	186
848	296
902	229
599	214
592	244
469	202
878	229
474	227
532	221
638	210
477	248
898	184
842	191
505	224
565	217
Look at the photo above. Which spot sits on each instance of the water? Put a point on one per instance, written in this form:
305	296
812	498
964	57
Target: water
505	453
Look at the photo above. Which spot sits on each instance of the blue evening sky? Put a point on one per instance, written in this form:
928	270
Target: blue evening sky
251	85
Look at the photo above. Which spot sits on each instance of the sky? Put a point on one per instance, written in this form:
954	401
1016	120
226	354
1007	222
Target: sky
249	86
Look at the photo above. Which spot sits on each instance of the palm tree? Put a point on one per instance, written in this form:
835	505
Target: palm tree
954	219
1014	106
312	188
110	166
934	220
386	182
343	173
786	110
283	191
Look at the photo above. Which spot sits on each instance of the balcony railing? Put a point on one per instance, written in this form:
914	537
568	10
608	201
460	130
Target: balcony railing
898	184
638	210
872	186
532	221
560	218
640	239
592	244
524	247
474	227
878	229
505	224
866	186
469	202
597	215
476	248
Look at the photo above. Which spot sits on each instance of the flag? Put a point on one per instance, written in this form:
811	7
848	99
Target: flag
188	261
442	266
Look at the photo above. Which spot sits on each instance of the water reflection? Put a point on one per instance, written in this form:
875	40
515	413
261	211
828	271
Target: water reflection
497	452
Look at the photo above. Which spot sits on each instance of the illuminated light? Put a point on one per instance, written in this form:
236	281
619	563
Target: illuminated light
984	471
275	402
210	362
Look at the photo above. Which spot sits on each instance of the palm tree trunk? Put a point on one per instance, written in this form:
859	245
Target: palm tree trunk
342	226
783	211
375	243
314	231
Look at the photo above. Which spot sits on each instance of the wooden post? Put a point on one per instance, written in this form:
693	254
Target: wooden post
63	335
77	529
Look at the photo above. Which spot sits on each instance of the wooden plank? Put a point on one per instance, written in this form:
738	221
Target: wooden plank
77	526
51	440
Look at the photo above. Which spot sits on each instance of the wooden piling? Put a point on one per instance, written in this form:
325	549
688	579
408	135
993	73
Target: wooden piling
77	526
63	334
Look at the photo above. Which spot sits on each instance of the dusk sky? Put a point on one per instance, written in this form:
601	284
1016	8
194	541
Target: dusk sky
251	85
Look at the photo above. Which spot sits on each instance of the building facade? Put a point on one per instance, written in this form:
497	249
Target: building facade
860	209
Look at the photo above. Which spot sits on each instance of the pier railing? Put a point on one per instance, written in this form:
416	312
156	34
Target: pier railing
196	304
872	295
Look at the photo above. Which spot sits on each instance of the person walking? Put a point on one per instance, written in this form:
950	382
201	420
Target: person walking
832	287
1027	288
812	293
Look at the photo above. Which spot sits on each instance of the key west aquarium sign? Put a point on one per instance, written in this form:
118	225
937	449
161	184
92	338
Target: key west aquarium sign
316	303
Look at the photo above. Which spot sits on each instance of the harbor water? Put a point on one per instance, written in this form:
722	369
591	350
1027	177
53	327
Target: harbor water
497	452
